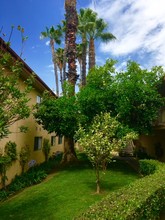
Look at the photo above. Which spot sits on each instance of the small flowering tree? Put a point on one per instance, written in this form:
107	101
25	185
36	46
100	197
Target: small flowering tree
104	136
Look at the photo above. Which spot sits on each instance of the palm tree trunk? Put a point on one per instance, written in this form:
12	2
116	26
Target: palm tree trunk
92	61
84	52
55	65
71	29
64	61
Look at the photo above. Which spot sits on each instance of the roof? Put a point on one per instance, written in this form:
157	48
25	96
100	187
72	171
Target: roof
4	46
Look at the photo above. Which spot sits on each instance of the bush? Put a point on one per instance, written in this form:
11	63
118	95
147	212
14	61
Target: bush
148	167
24	156
33	176
141	200
46	149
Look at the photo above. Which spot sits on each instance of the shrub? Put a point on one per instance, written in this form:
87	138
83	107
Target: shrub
24	157
34	175
148	167
141	200
11	150
46	149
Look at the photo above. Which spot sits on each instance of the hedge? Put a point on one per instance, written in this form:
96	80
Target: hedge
141	200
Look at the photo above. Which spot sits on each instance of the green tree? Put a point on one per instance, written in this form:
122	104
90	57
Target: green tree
13	101
60	116
136	96
93	28
104	136
95	97
132	95
54	35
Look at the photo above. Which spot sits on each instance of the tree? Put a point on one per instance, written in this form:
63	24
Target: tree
104	135
60	116
83	21
131	94
95	97
97	30
136	96
54	35
91	28
60	64
71	30
13	101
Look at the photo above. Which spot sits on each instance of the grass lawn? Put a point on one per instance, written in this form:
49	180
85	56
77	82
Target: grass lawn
66	193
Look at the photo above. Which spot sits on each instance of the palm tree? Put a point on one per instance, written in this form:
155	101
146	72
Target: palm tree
79	49
96	31
70	41
60	63
71	29
84	19
54	35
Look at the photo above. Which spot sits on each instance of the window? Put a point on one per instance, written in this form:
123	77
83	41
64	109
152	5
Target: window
60	139
37	143
53	140
38	99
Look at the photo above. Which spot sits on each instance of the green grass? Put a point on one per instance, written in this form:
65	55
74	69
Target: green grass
66	193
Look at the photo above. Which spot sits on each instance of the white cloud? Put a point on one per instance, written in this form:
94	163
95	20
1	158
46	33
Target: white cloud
139	26
47	43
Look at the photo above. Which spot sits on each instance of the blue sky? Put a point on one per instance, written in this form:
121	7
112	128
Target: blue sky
138	25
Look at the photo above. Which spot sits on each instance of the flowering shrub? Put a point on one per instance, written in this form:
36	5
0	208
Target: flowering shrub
105	135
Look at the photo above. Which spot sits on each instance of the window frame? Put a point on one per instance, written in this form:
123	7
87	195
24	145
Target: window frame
38	143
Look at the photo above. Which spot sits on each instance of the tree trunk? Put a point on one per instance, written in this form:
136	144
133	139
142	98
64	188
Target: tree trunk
55	66
70	38
92	61
97	179
84	52
61	79
64	62
69	151
71	29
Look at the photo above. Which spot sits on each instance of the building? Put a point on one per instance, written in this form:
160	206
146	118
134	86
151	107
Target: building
154	144
35	135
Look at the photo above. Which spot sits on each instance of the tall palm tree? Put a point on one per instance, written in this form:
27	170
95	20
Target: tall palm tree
60	63
97	30
54	35
71	30
70	40
84	18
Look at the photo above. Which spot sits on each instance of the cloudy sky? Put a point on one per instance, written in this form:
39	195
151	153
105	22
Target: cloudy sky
139	26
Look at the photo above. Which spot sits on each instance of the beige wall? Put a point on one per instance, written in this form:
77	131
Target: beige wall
23	139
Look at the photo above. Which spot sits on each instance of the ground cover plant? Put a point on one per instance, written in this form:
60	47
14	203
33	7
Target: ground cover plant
66	193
